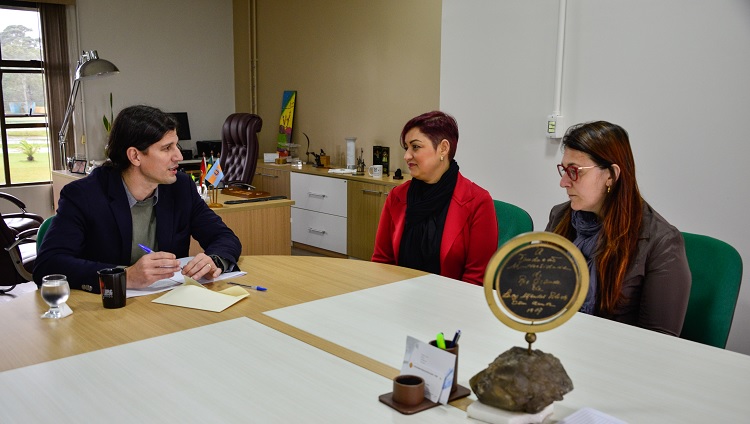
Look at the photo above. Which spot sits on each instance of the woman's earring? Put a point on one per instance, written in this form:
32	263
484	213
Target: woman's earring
441	158
609	188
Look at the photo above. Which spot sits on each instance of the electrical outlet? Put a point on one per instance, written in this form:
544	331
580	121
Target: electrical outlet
555	127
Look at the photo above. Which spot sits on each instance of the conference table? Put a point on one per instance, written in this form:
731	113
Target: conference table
320	345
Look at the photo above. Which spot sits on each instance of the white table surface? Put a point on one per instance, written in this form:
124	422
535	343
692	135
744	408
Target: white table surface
630	373
236	371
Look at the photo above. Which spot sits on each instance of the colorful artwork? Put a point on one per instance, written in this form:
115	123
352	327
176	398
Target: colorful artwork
285	123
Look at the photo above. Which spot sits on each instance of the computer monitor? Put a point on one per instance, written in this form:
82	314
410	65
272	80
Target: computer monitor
183	126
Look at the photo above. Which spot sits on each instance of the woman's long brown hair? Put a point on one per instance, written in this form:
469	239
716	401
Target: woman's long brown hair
607	144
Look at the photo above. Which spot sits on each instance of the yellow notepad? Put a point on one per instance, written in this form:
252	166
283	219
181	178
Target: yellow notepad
194	295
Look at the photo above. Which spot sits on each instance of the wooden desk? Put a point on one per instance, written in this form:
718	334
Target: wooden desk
27	339
348	309
633	374
59	180
264	228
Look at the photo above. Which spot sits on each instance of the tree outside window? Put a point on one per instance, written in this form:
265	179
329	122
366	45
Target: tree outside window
25	138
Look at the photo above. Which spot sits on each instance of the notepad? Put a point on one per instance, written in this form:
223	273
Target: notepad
194	295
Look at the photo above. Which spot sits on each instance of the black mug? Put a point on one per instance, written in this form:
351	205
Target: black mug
112	282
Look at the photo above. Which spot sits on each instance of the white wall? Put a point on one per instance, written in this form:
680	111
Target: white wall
172	54
673	73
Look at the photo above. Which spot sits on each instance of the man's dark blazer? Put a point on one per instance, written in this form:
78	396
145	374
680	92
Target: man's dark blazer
93	228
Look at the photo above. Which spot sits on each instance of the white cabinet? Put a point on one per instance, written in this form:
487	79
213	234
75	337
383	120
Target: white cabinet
320	211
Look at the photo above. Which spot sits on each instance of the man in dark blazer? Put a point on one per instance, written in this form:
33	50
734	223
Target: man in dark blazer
138	198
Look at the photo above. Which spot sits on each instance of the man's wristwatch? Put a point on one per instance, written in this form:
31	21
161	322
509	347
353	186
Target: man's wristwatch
217	261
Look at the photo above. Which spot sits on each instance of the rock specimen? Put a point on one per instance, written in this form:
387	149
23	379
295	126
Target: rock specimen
520	381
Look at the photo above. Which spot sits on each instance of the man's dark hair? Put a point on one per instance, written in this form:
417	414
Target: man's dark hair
137	126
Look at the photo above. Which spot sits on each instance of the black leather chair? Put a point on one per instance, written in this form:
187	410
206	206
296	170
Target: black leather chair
239	148
20	221
17	257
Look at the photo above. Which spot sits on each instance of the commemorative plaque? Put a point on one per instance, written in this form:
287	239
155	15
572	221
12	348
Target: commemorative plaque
535	282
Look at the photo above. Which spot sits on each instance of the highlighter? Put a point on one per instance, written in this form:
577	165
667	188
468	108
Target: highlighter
440	341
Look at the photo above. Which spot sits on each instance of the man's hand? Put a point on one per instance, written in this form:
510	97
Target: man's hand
201	266
152	267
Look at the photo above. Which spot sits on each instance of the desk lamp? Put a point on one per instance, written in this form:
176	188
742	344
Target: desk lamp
89	66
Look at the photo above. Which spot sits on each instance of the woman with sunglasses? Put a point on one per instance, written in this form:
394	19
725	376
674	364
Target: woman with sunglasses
439	222
638	270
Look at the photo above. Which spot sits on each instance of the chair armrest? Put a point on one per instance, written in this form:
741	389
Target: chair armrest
22	215
29	234
13	199
19	242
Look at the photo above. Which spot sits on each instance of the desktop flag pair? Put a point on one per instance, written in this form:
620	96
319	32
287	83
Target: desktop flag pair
215	174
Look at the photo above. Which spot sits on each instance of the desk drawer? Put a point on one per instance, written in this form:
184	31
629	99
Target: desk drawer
319	194
321	230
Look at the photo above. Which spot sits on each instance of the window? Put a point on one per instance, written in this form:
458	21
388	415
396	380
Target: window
25	153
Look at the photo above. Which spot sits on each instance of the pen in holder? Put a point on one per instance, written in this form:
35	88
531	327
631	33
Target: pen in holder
457	391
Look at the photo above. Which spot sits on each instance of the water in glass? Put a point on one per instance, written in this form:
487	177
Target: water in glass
55	292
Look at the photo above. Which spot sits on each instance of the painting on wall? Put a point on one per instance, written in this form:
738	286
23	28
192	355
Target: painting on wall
285	123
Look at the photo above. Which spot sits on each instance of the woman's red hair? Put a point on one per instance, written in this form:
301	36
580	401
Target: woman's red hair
608	144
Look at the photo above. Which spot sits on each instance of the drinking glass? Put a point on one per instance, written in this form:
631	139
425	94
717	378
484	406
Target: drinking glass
55	292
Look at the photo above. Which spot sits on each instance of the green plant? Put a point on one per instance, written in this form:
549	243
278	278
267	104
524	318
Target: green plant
108	122
28	149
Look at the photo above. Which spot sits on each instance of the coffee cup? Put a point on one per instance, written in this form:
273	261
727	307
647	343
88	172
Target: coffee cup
375	171
112	282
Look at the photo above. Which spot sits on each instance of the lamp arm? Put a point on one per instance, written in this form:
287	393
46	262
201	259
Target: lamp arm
62	135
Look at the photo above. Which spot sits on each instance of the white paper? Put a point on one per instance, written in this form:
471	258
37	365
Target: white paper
436	366
590	416
177	279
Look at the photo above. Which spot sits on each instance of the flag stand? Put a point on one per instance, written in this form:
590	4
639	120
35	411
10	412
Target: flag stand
213	194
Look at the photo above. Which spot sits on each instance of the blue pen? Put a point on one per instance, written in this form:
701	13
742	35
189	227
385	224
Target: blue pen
145	248
259	288
456	337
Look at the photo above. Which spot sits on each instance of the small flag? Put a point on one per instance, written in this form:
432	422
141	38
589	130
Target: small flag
203	169
215	174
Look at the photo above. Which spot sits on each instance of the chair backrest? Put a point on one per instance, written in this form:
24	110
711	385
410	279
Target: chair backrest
12	259
41	231
716	268
239	147
511	221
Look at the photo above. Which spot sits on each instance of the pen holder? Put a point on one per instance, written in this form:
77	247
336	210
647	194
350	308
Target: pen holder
452	348
457	391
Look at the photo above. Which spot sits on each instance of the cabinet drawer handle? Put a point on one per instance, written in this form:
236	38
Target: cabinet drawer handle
313	230
267	175
311	194
372	192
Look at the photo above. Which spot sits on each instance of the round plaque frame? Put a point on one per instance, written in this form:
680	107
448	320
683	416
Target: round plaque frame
538	260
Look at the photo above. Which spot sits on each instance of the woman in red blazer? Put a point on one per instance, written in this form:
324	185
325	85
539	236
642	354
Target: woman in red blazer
439	222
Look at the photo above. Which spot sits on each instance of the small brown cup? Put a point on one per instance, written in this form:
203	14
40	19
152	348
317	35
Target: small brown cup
452	348
112	282
408	390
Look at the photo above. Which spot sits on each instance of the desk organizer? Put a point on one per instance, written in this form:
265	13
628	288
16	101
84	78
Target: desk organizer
241	192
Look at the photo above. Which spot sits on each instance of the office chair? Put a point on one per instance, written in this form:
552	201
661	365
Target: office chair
17	257
511	221
20	221
41	231
239	148
716	268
